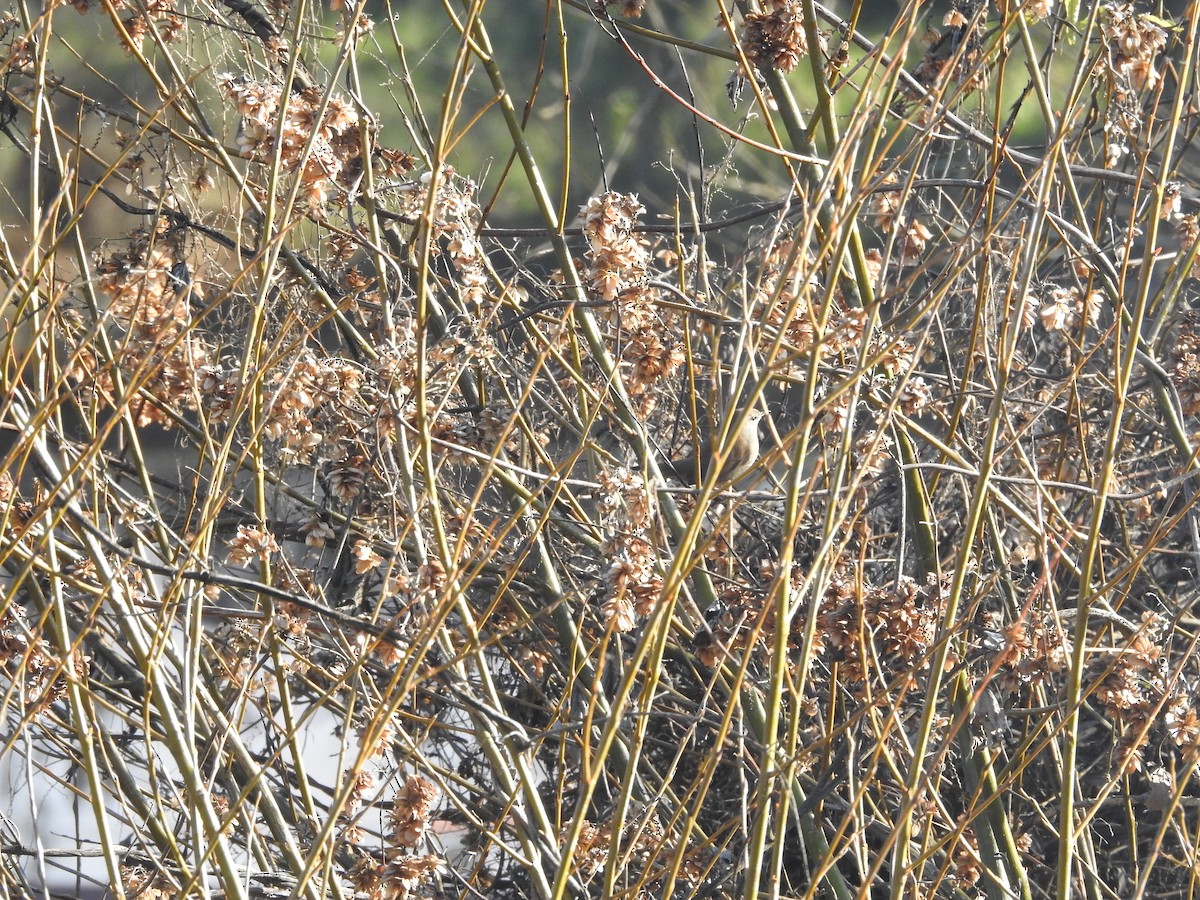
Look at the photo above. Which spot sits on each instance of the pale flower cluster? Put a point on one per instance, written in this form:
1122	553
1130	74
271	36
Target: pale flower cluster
616	269
1185	362
308	404
1066	309
912	235
410	810
617	260
1187	228
455	224
252	543
1134	43
32	664
901	619
149	305
318	139
400	873
633	582
1132	685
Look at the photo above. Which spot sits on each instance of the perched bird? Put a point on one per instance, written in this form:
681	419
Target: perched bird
742	450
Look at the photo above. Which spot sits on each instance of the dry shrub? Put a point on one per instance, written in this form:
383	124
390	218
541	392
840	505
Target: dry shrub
338	557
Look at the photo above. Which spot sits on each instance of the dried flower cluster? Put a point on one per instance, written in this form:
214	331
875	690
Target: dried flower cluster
1135	688
399	880
1133	43
1033	654
32	663
633	582
616	270
1067	310
774	38
157	373
454	220
881	632
1185	361
252	544
307	410
411	809
318	136
160	15
397	873
911	234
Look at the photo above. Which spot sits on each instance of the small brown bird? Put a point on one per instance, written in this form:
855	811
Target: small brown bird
742	450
